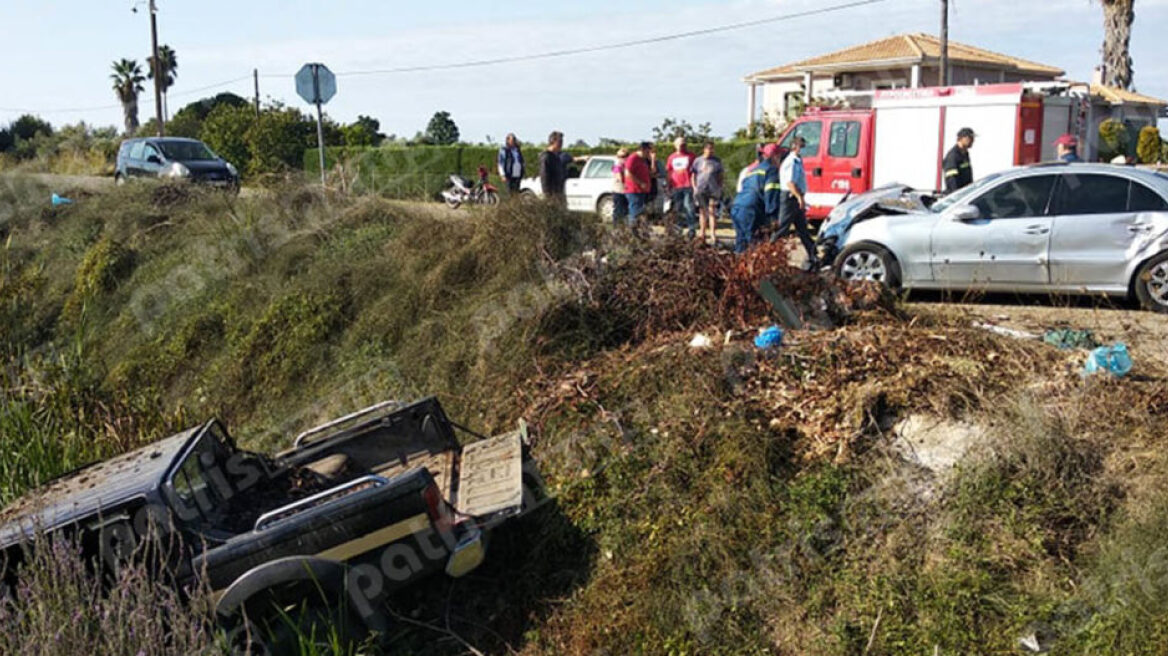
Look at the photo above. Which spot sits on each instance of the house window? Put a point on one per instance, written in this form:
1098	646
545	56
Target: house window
794	101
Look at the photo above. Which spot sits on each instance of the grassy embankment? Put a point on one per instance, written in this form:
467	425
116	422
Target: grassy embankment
707	502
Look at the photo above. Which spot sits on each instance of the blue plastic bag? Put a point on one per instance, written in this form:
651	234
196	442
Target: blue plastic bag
1113	359
771	337
60	200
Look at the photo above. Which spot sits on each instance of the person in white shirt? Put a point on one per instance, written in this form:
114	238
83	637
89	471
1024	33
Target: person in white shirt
793	201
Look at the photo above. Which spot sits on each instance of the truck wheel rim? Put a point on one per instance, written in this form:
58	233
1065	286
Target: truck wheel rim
863	265
1157	283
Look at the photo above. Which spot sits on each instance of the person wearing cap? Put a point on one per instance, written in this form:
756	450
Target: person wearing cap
758	202
638	179
1067	148
620	203
793	201
958	172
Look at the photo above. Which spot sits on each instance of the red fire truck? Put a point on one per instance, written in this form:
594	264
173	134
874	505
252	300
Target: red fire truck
905	134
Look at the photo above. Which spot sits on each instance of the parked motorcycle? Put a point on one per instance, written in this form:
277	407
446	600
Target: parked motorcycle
460	190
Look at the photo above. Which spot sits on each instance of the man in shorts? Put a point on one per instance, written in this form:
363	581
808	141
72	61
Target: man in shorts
708	177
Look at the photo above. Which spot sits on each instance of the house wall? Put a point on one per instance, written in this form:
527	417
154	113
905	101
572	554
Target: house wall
774	93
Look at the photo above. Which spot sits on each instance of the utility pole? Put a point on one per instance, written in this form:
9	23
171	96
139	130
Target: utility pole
255	75
944	43
157	68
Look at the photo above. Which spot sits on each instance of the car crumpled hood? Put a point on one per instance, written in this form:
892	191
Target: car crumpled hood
893	198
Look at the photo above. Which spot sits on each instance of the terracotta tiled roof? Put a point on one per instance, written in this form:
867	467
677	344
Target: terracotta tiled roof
1119	96
910	48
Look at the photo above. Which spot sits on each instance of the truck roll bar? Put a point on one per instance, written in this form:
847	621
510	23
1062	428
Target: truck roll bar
299	441
339	491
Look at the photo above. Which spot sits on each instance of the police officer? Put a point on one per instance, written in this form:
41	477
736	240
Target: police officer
758	202
958	172
793	201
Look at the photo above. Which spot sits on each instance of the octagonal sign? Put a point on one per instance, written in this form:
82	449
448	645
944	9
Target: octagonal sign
315	83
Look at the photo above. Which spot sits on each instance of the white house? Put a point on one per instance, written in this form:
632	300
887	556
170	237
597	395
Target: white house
906	60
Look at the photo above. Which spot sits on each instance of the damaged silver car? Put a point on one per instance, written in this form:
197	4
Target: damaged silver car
1069	228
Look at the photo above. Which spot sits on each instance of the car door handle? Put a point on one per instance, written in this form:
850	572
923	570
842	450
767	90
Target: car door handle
1139	228
816	172
857	173
1037	230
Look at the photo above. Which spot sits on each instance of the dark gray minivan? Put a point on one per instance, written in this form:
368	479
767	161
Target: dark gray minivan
174	158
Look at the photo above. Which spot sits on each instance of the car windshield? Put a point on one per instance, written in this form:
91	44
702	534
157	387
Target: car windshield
185	151
960	196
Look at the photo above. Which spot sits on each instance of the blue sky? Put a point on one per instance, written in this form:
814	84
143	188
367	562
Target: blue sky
58	53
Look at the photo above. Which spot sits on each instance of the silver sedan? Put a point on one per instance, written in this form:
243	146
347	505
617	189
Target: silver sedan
1070	228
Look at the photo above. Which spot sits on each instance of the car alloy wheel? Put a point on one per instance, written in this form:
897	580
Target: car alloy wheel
864	265
1155	283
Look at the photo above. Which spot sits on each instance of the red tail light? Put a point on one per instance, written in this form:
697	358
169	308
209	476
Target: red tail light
437	509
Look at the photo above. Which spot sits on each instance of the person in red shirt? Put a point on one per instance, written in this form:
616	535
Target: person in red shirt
637	181
680	168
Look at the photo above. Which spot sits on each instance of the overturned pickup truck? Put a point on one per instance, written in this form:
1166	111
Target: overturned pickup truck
312	539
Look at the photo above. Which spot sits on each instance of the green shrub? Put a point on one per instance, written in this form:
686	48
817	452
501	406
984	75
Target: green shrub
225	131
277	140
1148	146
1112	139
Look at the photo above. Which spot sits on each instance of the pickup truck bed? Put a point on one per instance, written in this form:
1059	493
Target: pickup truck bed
390	479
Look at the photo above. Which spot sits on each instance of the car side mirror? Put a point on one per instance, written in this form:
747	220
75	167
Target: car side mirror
153	159
965	213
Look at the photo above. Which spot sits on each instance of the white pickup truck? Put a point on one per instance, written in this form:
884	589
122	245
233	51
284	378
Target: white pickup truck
589	188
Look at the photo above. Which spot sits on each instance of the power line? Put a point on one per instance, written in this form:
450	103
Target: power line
502	60
610	46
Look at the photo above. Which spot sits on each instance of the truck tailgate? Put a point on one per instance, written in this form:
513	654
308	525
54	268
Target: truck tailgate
490	479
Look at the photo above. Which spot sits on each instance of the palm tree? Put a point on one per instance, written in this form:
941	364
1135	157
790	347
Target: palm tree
167	67
127	77
1118	16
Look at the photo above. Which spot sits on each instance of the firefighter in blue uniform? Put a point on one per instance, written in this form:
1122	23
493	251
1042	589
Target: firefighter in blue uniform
757	205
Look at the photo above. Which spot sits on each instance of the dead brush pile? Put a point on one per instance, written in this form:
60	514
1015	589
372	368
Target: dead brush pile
828	389
673	285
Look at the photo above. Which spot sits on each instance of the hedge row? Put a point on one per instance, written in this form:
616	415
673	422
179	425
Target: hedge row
421	171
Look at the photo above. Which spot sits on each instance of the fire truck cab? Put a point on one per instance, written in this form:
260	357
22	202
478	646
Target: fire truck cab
904	135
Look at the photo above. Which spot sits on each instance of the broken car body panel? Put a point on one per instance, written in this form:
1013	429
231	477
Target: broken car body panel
1039	243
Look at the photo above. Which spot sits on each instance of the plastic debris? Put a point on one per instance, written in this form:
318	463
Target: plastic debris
1113	359
60	200
700	341
1005	332
1069	338
769	338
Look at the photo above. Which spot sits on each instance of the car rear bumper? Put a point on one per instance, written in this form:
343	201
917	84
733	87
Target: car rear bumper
467	554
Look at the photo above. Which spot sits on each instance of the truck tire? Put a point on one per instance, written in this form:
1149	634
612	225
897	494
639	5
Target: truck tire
868	261
1151	284
285	619
275	606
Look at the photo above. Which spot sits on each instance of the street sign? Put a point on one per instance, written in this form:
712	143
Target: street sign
316	84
